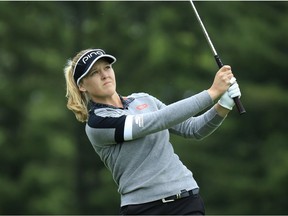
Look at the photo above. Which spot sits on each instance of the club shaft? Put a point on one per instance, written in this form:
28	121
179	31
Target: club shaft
204	29
237	100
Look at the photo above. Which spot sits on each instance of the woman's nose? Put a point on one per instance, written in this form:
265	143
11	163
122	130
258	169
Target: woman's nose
103	74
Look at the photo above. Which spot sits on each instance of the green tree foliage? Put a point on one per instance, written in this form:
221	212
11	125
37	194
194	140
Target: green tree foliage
47	165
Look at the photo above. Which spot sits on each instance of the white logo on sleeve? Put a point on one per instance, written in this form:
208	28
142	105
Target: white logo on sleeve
139	120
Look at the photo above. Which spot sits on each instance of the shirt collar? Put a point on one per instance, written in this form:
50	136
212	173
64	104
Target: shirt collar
125	102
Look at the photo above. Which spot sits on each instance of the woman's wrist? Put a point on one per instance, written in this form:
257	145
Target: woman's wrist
221	110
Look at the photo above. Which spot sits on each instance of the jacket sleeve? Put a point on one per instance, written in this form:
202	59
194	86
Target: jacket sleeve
199	127
115	127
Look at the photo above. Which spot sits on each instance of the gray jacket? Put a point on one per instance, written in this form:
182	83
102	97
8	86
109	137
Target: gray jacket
133	143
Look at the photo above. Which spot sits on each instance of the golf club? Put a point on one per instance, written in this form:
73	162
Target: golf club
237	101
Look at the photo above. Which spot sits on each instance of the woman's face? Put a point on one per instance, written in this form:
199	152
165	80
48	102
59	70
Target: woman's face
100	81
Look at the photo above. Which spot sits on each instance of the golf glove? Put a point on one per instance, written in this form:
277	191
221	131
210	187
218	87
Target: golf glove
226	99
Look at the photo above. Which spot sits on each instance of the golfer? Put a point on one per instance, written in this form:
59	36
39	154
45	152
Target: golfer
131	134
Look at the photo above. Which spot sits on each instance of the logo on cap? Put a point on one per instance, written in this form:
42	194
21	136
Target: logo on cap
90	55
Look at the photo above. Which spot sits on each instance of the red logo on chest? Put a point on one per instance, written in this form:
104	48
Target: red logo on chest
141	106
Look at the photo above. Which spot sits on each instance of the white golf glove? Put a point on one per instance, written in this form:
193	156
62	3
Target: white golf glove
226	99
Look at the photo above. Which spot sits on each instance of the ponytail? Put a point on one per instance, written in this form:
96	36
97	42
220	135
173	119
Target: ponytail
77	101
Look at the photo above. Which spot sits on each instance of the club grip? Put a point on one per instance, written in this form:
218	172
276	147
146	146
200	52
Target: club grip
218	61
237	100
239	105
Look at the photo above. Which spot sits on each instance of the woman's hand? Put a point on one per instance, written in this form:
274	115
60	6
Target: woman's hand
221	82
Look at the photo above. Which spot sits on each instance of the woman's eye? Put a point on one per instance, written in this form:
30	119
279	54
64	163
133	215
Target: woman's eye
93	73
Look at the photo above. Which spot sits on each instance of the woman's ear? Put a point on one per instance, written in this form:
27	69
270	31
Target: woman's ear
81	88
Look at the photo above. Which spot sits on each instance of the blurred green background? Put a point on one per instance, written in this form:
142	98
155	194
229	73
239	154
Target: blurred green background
48	166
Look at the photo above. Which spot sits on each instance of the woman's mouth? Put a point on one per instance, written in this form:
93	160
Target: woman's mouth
106	83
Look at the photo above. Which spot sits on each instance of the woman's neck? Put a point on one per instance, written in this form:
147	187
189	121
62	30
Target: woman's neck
114	100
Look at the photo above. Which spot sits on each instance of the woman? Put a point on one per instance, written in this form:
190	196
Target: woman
131	134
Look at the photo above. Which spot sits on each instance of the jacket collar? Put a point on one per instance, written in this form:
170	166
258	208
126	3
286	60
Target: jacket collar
125	101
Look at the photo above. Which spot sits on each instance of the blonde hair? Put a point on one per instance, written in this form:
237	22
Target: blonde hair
77	100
